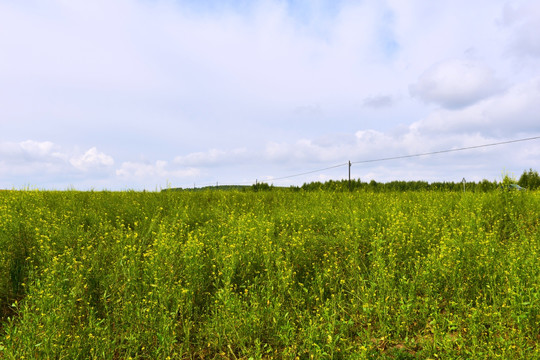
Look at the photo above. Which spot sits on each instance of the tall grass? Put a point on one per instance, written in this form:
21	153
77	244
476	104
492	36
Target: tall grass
279	274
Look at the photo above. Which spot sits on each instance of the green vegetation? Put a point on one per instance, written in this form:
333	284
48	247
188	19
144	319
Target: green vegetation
530	180
283	274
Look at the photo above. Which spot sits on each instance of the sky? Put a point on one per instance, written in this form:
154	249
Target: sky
150	94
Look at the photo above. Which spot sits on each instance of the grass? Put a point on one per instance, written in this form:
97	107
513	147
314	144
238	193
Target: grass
277	274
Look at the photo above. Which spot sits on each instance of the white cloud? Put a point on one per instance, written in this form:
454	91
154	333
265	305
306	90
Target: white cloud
379	101
91	159
212	157
510	113
35	148
30	151
522	18
332	148
140	171
304	151
456	83
44	162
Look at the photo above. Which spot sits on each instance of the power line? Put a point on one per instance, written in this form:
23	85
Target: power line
310	172
399	157
409	156
445	151
289	176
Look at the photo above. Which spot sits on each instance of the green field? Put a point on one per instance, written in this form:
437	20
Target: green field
271	274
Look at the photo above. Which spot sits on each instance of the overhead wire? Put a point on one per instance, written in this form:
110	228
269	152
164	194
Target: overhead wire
410	156
444	151
310	172
401	157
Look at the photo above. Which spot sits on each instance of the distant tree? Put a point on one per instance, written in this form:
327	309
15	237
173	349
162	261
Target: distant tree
486	185
316	185
356	184
530	180
262	186
374	186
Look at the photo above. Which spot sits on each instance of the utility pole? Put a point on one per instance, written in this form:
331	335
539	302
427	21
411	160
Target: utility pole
349	175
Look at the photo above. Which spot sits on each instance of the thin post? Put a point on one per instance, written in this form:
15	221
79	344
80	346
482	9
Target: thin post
349	174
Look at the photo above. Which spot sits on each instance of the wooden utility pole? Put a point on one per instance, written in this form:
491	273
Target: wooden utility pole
349	175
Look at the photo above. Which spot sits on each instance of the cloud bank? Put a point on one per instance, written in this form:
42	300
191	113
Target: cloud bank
141	93
456	84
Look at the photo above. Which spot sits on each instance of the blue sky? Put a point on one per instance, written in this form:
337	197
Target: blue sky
139	94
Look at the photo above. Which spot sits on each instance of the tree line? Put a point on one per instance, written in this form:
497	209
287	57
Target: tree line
529	180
